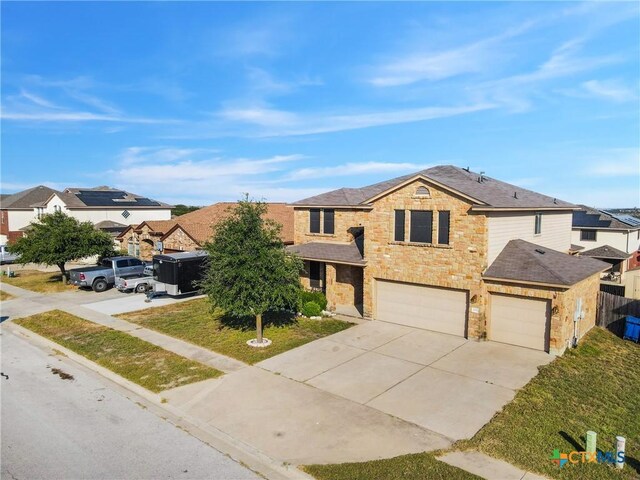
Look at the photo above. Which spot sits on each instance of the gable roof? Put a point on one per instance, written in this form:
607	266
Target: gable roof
199	224
157	226
26	199
107	197
587	217
606	251
484	191
525	262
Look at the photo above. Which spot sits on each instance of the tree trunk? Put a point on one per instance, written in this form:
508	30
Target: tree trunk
64	272
259	328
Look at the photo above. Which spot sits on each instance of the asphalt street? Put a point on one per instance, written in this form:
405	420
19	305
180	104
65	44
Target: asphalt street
59	421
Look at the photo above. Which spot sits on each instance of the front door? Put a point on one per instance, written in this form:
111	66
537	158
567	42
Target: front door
317	276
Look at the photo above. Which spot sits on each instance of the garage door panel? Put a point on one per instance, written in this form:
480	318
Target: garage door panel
431	308
519	321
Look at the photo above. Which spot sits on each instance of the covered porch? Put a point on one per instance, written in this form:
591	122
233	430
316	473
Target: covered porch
336	270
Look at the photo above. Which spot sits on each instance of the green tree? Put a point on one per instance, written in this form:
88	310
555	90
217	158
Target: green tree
250	272
57	238
181	209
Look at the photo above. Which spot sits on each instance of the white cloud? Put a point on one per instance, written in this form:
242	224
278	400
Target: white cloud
282	123
618	162
70	116
351	169
610	90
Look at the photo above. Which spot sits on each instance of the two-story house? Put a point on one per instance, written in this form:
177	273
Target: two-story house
453	251
108	208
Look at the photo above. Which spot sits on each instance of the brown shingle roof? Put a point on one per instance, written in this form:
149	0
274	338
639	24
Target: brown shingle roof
329	252
28	198
588	217
488	192
158	226
606	251
199	224
523	261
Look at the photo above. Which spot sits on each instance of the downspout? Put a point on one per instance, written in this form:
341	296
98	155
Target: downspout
577	316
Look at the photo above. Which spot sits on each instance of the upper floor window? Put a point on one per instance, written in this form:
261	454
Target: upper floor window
57	208
328	224
588	235
443	227
421	226
398	231
314	220
538	224
422	192
324	218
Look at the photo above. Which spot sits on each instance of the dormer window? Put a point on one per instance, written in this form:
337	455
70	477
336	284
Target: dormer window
422	191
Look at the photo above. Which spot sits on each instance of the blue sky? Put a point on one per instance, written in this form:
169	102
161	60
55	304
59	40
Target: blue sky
199	102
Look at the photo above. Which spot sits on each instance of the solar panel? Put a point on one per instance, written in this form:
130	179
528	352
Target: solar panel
628	219
93	198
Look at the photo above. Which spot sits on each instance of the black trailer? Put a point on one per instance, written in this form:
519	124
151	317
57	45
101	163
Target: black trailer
178	273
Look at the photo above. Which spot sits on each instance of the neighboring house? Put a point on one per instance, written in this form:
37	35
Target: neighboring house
594	229
189	232
453	251
110	208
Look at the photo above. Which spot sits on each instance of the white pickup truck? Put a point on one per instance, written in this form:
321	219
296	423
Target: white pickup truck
136	282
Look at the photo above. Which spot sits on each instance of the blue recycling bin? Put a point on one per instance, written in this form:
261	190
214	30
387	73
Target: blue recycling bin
632	329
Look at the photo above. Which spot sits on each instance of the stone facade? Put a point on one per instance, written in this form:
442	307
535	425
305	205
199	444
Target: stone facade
457	265
179	241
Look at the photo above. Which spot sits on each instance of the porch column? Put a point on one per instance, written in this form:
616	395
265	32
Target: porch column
330	276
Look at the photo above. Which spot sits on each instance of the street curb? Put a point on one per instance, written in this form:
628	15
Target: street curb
242	453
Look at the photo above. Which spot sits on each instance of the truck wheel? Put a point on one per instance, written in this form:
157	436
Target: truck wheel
100	285
141	288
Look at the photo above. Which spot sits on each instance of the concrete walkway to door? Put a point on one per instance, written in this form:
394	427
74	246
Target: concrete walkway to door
443	383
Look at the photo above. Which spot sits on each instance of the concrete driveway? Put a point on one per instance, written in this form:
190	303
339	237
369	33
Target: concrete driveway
443	383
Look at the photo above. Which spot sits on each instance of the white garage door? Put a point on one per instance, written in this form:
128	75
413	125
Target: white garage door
519	321
439	309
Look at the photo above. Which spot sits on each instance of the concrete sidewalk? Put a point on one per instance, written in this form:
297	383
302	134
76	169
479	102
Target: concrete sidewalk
487	467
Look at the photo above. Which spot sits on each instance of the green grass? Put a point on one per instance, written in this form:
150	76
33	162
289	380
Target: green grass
43	282
419	466
594	387
5	296
141	362
195	322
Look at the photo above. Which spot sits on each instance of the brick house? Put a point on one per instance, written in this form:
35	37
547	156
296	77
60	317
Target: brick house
189	232
450	250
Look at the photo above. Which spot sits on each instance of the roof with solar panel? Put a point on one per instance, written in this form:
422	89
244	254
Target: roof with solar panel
588	217
106	197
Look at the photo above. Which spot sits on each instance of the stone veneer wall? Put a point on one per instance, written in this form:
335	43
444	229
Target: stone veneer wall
458	265
344	219
179	240
345	287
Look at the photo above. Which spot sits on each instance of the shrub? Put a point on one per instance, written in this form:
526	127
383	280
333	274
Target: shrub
311	309
316	297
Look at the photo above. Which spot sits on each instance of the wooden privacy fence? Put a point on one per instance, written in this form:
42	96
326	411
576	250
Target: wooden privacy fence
612	311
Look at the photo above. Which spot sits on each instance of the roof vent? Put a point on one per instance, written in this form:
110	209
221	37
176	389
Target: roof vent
515	194
540	251
555	200
466	169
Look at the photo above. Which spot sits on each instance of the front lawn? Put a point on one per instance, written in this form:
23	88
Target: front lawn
5	296
43	282
594	387
194	322
418	466
141	362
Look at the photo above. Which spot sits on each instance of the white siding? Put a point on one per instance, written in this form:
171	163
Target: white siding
136	215
625	241
506	226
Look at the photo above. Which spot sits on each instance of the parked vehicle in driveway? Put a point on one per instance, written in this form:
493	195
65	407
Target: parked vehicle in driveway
103	276
6	256
135	282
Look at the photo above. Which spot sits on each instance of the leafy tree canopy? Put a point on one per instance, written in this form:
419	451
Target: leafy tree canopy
250	272
181	209
57	238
